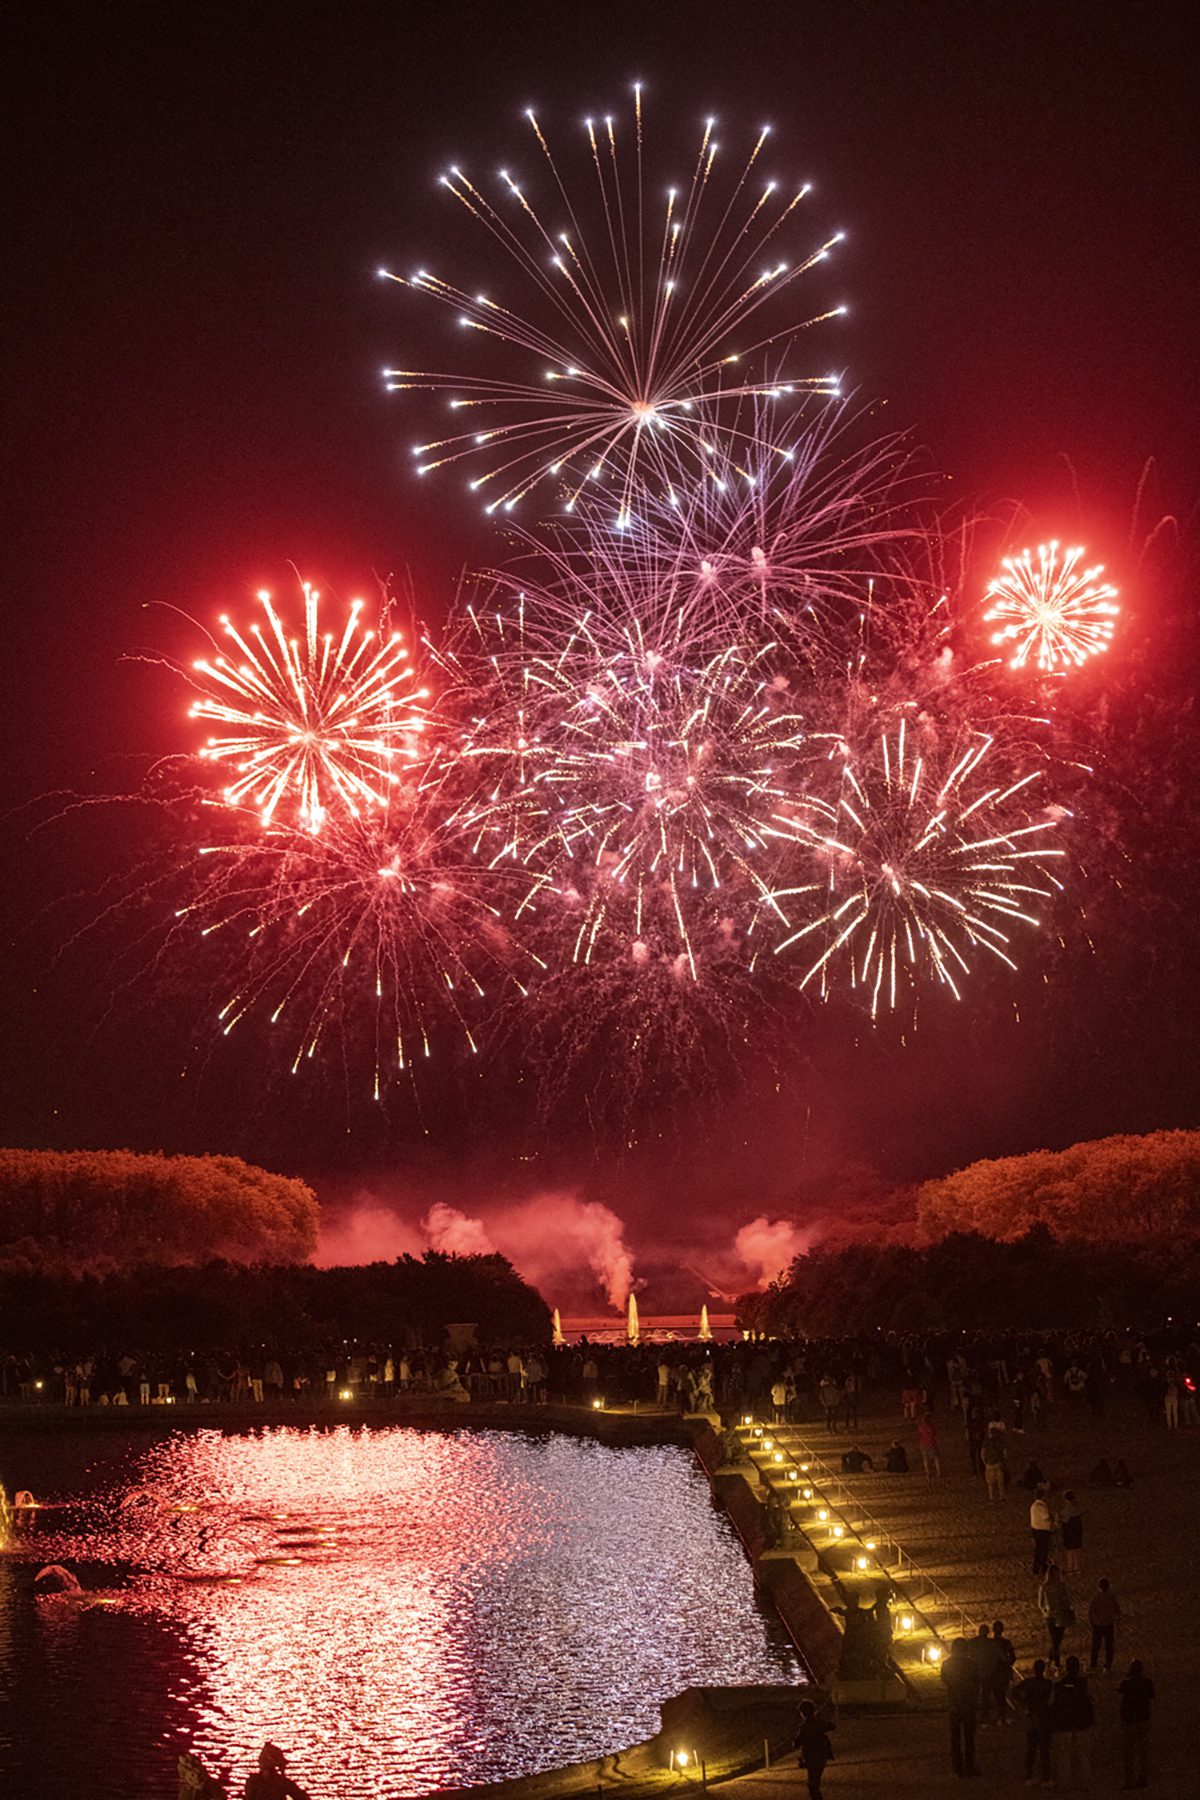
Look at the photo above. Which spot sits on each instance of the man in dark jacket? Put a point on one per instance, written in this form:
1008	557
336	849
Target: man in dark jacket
1035	1697
812	1741
1137	1699
960	1673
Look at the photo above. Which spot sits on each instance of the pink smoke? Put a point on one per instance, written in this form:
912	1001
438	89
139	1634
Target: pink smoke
366	1233
768	1247
551	1236
550	1239
453	1232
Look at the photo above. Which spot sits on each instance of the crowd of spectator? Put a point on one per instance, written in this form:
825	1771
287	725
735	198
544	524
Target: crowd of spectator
820	1380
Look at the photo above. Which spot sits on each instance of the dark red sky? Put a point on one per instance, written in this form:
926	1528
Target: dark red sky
199	196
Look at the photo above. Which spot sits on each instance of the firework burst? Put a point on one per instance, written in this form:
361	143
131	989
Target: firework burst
312	722
1053	612
929	861
632	772
645	325
381	931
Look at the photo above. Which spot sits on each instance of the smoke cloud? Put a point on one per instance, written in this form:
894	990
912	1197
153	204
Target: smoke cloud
451	1231
551	1238
767	1247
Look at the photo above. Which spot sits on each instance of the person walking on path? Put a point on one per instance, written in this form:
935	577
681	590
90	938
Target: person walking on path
928	1445
1071	1527
1073	1717
812	1741
1041	1526
1104	1609
1035	1697
1054	1604
1137	1700
960	1673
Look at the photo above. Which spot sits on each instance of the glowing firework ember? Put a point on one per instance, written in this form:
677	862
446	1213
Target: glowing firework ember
1053	612
379	930
313	722
634	774
928	861
641	338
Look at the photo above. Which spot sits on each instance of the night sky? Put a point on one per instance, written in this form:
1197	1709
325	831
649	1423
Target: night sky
199	198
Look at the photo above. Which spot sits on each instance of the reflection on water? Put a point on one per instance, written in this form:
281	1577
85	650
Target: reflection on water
401	1610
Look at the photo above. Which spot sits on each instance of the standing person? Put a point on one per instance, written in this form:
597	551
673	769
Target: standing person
850	1401
1073	1717
994	1472
812	1741
1054	1604
1071	1526
664	1384
779	1400
1041	1526
272	1782
1035	1697
1137	1700
960	1673
928	1445
1003	1658
831	1398
1104	1609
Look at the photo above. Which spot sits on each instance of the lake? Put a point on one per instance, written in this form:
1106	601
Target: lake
402	1610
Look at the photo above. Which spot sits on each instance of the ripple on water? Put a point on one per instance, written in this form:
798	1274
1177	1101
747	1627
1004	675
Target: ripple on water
402	1610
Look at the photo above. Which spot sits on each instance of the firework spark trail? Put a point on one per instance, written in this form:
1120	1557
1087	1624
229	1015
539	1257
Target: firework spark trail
382	925
310	722
628	769
929	858
1053	612
646	311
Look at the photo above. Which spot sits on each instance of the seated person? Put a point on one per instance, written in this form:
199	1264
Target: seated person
855	1461
897	1459
1032	1478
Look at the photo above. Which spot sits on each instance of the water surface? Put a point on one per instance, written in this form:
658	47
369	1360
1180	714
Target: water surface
402	1610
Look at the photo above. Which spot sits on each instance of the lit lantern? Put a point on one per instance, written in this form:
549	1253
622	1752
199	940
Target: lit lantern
747	1418
758	1431
839	1531
792	1475
597	1406
932	1653
345	1394
778	1456
906	1622
808	1494
871	1544
768	1443
822	1513
862	1562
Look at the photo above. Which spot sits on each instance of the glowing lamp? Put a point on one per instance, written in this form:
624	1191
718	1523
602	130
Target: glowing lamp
822	1513
808	1493
345	1394
839	1531
871	1544
747	1418
932	1653
39	1384
778	1457
792	1475
681	1759
597	1406
862	1562
805	1467
758	1431
768	1443
906	1621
